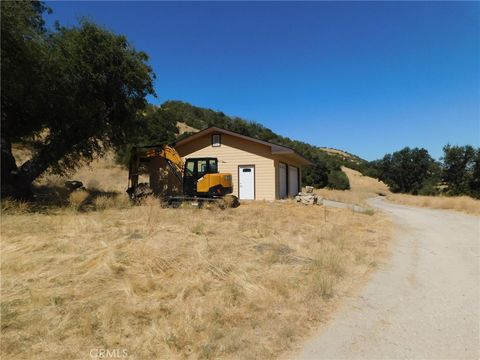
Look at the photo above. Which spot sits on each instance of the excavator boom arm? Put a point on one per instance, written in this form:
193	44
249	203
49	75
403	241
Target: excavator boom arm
139	154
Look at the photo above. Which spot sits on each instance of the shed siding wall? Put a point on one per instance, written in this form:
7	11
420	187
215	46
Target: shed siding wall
233	152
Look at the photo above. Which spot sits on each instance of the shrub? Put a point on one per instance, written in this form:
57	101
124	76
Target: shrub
429	188
338	180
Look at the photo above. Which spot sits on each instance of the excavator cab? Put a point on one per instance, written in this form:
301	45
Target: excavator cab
201	178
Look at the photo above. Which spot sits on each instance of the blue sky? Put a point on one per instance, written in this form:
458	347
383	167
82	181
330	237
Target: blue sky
366	77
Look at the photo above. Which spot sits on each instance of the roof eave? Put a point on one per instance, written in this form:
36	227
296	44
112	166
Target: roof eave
281	150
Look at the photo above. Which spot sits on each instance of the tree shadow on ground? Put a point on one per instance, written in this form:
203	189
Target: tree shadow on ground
50	198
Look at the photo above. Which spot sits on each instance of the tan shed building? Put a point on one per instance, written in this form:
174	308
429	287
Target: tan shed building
260	170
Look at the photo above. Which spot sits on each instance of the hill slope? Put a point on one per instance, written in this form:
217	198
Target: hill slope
326	170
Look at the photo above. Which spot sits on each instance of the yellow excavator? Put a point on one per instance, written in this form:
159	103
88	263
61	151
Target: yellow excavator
198	178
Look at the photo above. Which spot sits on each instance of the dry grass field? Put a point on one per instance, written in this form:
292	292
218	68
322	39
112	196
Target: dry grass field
458	203
172	283
362	188
183	128
163	283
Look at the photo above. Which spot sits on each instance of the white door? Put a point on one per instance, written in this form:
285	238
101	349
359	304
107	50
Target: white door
246	182
282	173
292	181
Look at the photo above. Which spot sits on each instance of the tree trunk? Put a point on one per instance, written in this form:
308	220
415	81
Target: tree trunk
35	167
9	175
17	182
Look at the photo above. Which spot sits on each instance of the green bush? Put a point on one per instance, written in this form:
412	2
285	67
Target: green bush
429	188
408	170
338	180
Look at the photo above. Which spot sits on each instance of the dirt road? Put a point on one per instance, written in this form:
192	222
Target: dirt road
423	304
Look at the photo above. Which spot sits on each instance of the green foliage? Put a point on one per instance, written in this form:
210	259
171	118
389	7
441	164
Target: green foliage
23	62
475	178
461	169
407	170
106	81
338	180
371	169
77	91
414	171
430	187
316	175
155	127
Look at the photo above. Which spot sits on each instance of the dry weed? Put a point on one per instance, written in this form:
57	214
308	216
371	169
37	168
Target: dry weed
93	184
175	283
345	196
15	207
77	198
117	201
458	203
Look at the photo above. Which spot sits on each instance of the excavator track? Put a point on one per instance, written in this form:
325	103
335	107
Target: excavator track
229	201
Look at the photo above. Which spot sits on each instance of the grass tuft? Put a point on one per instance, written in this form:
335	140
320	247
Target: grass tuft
15	207
323	286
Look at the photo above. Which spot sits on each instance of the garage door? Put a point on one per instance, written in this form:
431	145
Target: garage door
292	181
282	174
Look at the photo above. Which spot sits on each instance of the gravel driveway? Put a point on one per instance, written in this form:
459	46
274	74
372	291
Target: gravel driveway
423	304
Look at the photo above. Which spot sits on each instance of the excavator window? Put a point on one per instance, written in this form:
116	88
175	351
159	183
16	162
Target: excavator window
212	164
202	168
190	168
212	167
199	167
